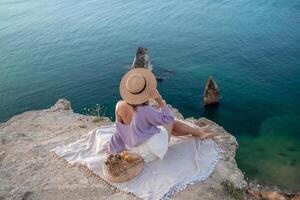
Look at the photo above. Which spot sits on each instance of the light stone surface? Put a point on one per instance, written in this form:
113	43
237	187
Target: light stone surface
29	171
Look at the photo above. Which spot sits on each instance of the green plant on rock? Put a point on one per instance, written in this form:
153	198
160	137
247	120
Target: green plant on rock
97	111
232	191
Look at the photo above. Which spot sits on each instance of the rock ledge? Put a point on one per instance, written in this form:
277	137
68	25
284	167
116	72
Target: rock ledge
28	170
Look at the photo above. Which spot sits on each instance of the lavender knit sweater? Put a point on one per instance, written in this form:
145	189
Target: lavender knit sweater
142	126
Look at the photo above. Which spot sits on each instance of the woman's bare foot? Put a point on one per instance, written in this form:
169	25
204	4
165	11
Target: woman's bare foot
203	133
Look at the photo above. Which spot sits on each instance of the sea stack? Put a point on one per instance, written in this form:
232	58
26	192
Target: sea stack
142	59
211	92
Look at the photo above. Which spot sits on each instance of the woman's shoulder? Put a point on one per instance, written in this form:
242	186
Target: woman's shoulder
123	105
124	111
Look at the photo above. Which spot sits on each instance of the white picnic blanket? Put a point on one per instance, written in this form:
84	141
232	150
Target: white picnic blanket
187	161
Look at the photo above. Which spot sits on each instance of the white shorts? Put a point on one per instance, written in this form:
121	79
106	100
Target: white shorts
155	147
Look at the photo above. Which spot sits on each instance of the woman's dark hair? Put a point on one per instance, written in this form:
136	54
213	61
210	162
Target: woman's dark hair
135	106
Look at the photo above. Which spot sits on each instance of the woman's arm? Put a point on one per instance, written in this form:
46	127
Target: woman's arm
116	143
164	116
157	97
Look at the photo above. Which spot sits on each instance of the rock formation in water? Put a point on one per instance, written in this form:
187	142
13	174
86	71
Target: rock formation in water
142	59
211	92
29	171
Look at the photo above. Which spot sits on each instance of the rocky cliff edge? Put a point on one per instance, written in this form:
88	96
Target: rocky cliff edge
29	171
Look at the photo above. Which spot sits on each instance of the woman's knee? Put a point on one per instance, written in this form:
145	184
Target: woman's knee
169	128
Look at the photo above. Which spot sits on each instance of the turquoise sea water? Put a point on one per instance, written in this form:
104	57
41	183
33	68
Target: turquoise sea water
80	49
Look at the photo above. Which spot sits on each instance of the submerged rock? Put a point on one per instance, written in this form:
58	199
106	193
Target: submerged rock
211	93
142	59
159	78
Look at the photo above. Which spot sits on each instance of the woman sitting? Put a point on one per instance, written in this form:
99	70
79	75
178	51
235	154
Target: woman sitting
140	128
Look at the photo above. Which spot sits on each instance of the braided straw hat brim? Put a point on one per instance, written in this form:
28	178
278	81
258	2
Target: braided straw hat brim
142	97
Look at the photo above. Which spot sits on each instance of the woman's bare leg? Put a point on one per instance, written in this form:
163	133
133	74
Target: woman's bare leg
169	128
180	129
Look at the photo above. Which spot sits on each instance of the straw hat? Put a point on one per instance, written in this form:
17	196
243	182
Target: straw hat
136	84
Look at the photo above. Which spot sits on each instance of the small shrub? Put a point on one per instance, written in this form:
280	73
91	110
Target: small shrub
232	191
97	111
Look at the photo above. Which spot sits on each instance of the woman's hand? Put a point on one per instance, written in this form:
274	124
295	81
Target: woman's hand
154	94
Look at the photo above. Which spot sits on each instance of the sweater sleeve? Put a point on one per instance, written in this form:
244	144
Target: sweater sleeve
157	118
116	143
